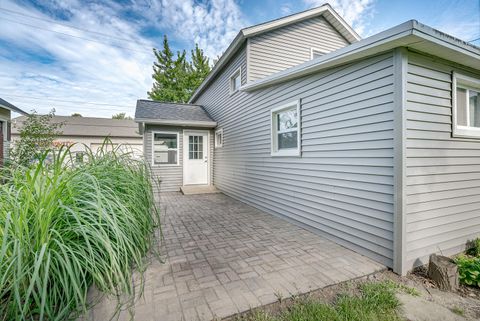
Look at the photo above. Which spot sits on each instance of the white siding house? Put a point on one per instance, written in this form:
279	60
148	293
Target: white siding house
369	143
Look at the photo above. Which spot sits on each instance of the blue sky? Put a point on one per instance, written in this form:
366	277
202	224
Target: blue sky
95	58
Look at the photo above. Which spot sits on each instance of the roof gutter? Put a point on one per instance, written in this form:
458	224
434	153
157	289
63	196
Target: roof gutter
166	122
408	34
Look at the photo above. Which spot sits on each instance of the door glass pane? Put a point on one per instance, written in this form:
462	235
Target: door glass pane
287	119
195	148
461	107
287	140
474	102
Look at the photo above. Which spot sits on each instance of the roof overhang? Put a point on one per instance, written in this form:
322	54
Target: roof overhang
6	105
181	123
326	10
410	34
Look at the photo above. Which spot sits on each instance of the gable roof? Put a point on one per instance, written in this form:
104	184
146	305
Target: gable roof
325	10
5	104
411	34
163	113
89	126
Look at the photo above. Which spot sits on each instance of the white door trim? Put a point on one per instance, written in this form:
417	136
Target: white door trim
186	132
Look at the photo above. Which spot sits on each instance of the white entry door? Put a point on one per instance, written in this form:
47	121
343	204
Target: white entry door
195	158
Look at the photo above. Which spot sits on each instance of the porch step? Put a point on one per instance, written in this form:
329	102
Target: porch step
198	189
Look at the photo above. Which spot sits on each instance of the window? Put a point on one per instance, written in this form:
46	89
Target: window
236	81
219	138
165	148
466	106
315	53
286	130
195	147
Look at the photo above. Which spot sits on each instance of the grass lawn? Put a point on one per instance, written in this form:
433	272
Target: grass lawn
370	301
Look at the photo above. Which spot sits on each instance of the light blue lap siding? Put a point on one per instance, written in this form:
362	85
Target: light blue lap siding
443	172
342	185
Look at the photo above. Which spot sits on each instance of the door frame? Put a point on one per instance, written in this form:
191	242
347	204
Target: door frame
186	132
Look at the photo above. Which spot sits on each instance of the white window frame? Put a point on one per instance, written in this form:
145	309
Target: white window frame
273	130
468	83
313	50
153	148
232	82
217	143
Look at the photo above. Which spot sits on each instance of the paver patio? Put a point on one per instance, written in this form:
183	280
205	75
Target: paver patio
225	257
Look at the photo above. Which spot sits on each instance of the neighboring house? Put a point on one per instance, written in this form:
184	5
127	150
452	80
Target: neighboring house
373	143
91	132
6	110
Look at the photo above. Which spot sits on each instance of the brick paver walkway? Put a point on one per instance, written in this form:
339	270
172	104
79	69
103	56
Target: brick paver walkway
226	257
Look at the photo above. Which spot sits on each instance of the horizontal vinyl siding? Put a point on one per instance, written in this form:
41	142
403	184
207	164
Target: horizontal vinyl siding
170	177
342	185
442	172
291	45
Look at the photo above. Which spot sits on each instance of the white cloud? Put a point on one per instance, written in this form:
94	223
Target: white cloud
357	13
59	68
286	9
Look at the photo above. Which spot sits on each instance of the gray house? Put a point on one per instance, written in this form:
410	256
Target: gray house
373	143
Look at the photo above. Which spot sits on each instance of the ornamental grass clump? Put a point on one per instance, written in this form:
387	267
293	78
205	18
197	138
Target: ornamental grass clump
65	225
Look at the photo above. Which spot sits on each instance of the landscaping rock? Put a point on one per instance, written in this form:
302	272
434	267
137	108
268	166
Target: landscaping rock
444	272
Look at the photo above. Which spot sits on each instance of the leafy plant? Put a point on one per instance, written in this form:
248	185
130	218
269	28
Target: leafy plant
37	134
469	270
66	225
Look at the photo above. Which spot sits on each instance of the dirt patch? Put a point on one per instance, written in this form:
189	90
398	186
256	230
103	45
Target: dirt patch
433	304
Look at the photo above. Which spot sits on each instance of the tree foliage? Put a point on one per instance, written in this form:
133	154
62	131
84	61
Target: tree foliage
174	78
37	134
76	115
121	116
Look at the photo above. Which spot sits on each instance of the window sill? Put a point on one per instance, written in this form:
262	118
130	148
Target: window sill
165	165
466	132
286	153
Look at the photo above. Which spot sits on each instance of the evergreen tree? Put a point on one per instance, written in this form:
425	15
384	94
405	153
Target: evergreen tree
200	67
174	78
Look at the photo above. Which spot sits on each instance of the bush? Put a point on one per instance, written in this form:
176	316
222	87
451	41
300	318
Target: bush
469	270
67	225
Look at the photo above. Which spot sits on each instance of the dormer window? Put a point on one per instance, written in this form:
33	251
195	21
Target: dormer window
315	53
236	81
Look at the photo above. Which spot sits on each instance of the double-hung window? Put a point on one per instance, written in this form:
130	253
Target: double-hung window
466	106
285	122
165	148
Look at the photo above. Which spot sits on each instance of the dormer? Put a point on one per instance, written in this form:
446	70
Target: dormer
283	43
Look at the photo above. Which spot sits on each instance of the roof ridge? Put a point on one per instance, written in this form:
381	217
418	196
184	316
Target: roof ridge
168	102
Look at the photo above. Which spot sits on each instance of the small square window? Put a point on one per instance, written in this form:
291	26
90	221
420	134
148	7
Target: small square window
236	81
286	130
466	106
219	138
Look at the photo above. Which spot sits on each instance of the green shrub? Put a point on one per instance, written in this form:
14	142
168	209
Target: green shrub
469	270
66	225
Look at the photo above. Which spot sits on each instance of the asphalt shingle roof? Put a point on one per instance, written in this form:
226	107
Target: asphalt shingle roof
154	110
89	126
